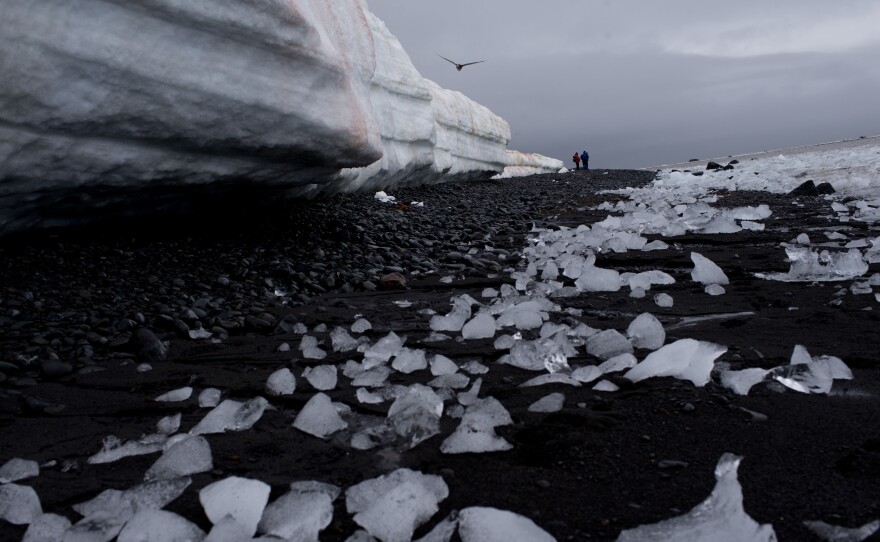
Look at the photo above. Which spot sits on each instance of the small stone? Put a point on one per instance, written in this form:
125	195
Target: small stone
392	281
55	369
543	484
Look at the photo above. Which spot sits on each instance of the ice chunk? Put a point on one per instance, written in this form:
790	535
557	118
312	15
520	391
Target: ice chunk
18	469
618	363
281	382
484	524
740	382
588	373
803	239
809	266
535	355
474	368
443	531
19	505
524	316
489	293
441	365
369	398
686	359
714	289
231	415
552	378
471	396
180	394
415	415
836	367
319	417
481	326
342	341
646	331
210	397
663	300
188	456
455	381
720	518
605	385
409	360
504	342
706	271
392	506
455	319
373	378
548	403
647	279
47	528
476	431
228	530
241	498
159	526
361	535
322	377
384	349
114	449
310	349
300	515
595	279
169	424
834	533
361	325
607	344
804	377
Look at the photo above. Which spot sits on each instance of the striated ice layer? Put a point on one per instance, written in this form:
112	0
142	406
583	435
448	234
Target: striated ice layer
810	266
484	524
520	164
685	359
720	518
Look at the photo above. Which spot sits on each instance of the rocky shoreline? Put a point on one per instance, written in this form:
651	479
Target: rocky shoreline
209	301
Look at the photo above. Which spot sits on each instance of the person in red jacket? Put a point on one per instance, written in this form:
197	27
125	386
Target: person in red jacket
577	160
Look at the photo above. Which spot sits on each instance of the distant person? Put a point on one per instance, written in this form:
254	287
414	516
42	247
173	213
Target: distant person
585	158
577	160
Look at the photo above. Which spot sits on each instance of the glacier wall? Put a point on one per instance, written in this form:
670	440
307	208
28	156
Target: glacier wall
520	164
112	106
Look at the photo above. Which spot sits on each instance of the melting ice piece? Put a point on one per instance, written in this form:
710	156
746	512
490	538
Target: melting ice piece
393	506
803	239
188	456
342	341
595	279
686	359
474	368
300	514
159	526
384	349
552	378
663	300
834	533
740	382
319	417
720	518
607	344
618	363
443	531
169	424
549	403
588	373
484	524
210	397
489	292
281	382
441	365
361	325
231	415
714	289
476	431
810	266
455	381
646	331
706	271
481	326
241	498
19	505
115	449
455	319
647	279
180	394
415	415
606	385
524	316
18	469
322	377
47	528
409	360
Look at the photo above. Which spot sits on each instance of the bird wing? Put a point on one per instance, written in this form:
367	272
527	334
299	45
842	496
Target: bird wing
471	63
446	59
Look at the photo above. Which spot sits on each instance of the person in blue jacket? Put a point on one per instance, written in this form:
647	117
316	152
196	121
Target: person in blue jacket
585	158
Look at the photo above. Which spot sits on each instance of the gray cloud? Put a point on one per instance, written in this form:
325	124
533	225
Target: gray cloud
642	84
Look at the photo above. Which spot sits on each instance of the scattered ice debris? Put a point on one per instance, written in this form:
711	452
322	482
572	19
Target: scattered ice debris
549	403
415	415
231	415
606	385
281	382
720	518
210	397
807	374
200	333
384	198
607	344
301	513
191	455
526	315
706	271
47	528
384	349
408	360
321	377
646	331
685	359
19	505
169	424
18	469
740	382
663	300
159	526
342	341
834	533
319	417
180	394
310	349
481	326
243	499
476	431
810	266
393	506
484	524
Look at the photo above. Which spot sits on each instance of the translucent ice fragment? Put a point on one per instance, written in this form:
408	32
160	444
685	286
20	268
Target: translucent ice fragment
714	289
342	341
455	381
443	531
159	526
663	300
740	382
595	279
455	319
504	342
374	378
720	518
441	365
835	533
409	360
706	271
548	403
210	397
47	528
322	377
191	455
415	416
587	373
281	382
300	514
19	505
169	424
685	359
552	378
361	325
646	331
231	415
115	449
484	524
180	394
319	417
489	292
476	431
809	266
384	349
481	326
803	239
474	368
605	385
18	469
620	362
243	499
607	344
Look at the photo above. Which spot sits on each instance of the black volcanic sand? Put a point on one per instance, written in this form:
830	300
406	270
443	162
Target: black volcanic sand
584	473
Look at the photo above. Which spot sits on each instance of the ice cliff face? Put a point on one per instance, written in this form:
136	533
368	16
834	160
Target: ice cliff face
104	104
520	164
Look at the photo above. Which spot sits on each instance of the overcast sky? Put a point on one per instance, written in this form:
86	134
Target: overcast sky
646	83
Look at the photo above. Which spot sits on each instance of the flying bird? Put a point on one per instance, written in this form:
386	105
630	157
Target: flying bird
457	65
